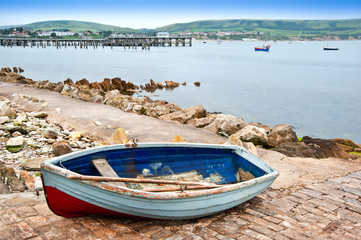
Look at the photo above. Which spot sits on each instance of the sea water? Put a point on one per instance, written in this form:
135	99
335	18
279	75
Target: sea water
315	91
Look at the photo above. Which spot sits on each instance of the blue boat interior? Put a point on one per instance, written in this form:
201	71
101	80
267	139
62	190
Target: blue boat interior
161	161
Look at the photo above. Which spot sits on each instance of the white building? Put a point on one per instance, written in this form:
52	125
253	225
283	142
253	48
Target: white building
58	34
163	35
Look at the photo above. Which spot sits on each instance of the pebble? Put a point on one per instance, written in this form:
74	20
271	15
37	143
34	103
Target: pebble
36	142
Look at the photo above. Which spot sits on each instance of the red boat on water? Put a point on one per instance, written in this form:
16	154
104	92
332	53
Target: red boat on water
264	48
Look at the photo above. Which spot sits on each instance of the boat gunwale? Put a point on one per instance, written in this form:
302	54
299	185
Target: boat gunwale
271	173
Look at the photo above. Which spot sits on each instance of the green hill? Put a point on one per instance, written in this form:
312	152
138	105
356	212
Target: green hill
75	26
311	28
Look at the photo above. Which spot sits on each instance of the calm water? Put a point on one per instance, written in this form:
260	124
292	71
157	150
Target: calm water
316	91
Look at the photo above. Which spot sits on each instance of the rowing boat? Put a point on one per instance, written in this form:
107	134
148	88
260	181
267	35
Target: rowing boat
154	180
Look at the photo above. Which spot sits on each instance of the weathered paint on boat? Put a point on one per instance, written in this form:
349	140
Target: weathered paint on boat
71	198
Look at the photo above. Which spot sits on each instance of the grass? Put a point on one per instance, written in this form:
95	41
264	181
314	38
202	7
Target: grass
355	153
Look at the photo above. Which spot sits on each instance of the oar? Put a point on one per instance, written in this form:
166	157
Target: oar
141	180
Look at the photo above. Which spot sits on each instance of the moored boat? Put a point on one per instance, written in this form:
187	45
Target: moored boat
330	48
264	48
159	181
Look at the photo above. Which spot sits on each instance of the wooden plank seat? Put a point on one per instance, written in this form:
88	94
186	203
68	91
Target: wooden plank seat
106	170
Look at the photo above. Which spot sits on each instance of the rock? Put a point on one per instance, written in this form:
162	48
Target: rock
251	148
33	164
106	85
234	140
201	122
15	144
296	149
178	139
7	111
16	134
95	85
3	188
152	83
75	136
15	69
20	69
29	180
281	134
197	84
160	85
39	114
50	134
184	115
59	87
70	82
61	147
4	119
346	144
117	83
97	123
265	127
19	129
171	84
50	86
226	123
83	82
119	137
184	83
10	179
253	134
330	147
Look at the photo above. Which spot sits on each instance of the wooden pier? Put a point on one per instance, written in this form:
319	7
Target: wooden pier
130	42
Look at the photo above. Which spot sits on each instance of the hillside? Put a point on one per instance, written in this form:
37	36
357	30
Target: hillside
75	26
311	28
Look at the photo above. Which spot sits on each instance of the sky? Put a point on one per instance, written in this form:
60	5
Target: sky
157	13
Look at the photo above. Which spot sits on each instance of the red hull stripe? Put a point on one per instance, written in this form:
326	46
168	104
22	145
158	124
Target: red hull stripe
68	206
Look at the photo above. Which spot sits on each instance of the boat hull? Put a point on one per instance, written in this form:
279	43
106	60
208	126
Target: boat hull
330	49
73	198
262	49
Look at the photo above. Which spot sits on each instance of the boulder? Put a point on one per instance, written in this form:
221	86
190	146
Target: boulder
184	115
95	85
74	136
83	82
117	83
330	147
70	82
59	87
234	140
201	122
106	85
50	86
265	127
281	134
20	69
296	149
227	124
253	134
160	85
8	112
346	144
61	147
197	84
15	69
